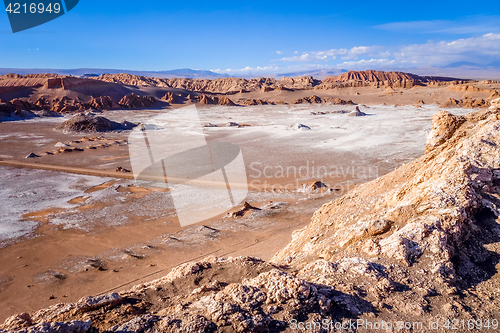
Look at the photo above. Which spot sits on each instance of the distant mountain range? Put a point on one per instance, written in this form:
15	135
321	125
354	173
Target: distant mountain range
86	72
318	74
186	73
464	70
471	65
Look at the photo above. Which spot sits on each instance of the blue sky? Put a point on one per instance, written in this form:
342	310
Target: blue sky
266	36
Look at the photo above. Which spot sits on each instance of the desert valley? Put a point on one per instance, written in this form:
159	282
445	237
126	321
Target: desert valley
373	199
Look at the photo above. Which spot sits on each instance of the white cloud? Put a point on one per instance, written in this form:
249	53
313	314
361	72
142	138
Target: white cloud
367	64
484	49
273	69
332	54
279	52
303	57
248	69
463	26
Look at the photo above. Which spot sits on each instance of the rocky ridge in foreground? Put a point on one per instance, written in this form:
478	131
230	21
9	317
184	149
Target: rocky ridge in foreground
418	245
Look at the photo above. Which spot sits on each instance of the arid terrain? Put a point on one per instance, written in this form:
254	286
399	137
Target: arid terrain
373	198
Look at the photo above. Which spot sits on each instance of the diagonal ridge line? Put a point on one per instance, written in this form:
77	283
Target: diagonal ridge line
63	2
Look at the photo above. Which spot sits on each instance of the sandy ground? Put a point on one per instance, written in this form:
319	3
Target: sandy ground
70	225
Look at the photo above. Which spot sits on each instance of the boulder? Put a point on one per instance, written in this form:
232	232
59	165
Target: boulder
300	127
90	123
356	113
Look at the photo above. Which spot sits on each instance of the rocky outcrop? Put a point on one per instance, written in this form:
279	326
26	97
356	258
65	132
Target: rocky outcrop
102	102
317	100
135	101
471	103
64	105
221	86
204	296
223	100
495	104
450	103
13	82
356	113
29	76
216	86
380	78
129	79
423	213
53	83
32	155
211	100
171	98
20	104
204	99
444	125
373	76
297	83
300	127
42	103
468	88
494	95
90	123
465	103
259	101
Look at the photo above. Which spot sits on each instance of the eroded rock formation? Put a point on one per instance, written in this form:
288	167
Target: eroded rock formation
103	102
213	100
135	101
465	103
380	78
